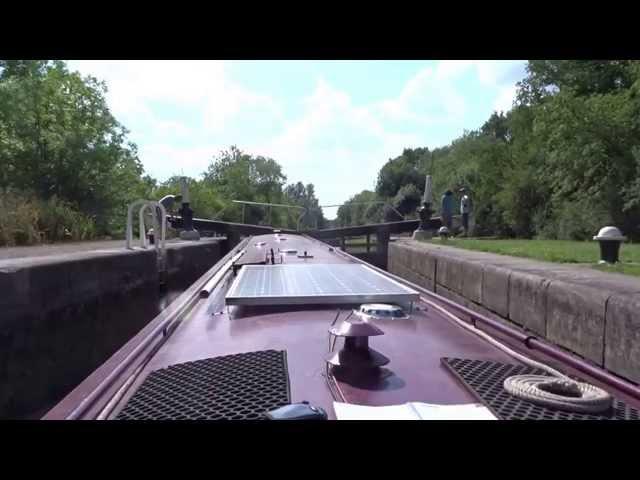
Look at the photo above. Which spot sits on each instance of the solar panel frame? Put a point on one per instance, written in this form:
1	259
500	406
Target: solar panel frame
300	284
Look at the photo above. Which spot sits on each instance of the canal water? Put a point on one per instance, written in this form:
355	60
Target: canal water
125	318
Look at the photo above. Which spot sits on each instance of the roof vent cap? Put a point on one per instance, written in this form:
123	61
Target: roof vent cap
382	311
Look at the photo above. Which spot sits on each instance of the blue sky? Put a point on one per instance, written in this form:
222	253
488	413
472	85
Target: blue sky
330	123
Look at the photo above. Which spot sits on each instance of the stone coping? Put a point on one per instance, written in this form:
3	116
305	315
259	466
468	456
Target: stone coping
592	313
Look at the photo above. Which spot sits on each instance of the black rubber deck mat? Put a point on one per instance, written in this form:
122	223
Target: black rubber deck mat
233	387
484	379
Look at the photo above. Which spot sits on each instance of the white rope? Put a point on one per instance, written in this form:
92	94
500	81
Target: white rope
578	396
541	389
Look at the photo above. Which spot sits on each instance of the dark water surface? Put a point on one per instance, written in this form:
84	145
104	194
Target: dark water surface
125	316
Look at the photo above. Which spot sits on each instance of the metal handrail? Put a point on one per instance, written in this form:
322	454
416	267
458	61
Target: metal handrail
163	215
143	238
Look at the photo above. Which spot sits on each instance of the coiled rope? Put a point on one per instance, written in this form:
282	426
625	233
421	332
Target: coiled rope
558	391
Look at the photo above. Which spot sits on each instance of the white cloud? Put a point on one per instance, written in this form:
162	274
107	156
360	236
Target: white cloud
139	93
429	96
203	85
504	101
432	96
181	113
131	83
340	146
335	144
169	160
493	72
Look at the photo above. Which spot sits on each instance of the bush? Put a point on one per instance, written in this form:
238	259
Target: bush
573	221
19	215
407	200
60	221
25	220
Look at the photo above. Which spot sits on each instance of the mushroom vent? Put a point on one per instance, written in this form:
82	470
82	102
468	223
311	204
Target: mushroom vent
382	311
356	353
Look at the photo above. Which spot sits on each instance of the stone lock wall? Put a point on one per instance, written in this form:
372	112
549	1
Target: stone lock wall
591	313
62	316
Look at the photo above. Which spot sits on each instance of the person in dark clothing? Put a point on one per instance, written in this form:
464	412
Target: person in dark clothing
447	209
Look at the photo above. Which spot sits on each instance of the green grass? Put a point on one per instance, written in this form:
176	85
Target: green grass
558	251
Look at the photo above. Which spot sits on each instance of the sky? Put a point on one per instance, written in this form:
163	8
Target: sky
330	123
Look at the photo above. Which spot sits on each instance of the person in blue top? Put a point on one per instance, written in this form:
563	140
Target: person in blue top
447	209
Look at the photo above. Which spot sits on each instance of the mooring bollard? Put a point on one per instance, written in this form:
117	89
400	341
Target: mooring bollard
188	232
609	239
425	211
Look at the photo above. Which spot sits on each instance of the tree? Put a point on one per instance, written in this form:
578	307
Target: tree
304	196
240	176
407	200
583	77
204	200
359	210
497	127
59	139
590	147
65	157
406	169
561	164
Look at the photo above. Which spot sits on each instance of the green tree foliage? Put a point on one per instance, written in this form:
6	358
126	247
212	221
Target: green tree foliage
204	200
590	144
68	171
583	78
407	200
59	139
562	163
359	210
304	196
239	176
406	169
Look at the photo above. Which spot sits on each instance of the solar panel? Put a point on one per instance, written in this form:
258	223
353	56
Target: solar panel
296	284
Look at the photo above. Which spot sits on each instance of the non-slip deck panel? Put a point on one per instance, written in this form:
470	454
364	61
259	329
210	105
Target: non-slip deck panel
242	386
485	379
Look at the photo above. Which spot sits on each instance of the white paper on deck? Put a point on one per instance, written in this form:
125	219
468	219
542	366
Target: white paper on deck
348	411
412	411
469	411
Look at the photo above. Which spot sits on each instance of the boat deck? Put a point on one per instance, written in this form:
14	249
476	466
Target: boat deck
414	346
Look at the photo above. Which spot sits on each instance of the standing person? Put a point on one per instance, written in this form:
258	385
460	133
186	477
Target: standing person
465	210
447	209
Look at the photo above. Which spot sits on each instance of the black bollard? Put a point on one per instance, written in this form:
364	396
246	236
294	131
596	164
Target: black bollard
609	251
609	239
187	217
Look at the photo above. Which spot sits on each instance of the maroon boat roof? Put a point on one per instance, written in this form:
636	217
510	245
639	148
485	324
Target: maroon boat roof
414	346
